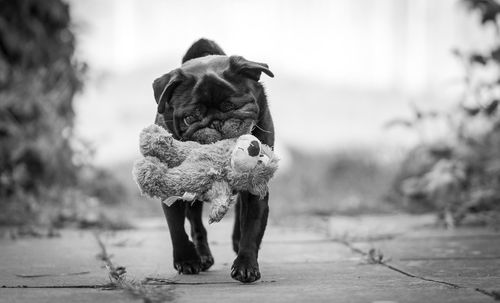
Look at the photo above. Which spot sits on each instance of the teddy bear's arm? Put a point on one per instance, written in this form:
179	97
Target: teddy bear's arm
157	180
157	142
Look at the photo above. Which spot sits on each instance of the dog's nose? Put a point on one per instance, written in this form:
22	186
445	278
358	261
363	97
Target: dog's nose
216	124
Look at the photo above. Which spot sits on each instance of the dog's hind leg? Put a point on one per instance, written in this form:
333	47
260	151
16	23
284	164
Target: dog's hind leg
186	259
199	234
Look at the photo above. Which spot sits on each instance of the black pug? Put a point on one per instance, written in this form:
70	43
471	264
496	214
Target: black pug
212	97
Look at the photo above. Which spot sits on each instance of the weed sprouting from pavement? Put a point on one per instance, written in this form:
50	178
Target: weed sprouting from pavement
119	280
375	256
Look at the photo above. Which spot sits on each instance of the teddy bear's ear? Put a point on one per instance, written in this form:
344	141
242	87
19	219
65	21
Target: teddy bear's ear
163	88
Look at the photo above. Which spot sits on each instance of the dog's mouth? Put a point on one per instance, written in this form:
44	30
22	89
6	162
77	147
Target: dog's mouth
230	128
217	125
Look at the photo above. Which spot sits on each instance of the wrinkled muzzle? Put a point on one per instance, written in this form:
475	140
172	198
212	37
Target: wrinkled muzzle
230	128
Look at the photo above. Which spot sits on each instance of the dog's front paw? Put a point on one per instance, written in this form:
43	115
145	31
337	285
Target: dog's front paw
186	260
188	267
245	269
206	262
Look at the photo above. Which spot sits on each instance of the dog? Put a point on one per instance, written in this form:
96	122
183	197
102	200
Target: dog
211	97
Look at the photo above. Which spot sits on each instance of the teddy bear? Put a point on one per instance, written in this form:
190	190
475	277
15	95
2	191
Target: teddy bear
173	170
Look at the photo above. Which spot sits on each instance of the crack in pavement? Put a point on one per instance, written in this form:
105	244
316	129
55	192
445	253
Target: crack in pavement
450	258
28	276
163	281
96	286
377	258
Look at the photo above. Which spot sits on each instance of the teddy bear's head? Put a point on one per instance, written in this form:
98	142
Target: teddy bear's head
247	153
253	164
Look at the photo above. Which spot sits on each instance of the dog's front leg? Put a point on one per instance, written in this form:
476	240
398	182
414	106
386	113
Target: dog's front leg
186	259
199	234
253	221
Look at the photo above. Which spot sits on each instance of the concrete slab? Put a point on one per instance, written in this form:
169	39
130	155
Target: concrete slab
376	226
38	295
296	266
469	257
149	252
434	245
470	273
68	260
321	282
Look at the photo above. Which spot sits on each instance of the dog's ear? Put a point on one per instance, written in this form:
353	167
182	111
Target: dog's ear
163	88
202	48
247	68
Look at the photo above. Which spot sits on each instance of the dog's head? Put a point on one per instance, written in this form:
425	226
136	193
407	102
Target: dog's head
211	96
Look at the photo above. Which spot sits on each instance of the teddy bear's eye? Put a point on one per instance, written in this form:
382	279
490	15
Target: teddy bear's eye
188	120
254	148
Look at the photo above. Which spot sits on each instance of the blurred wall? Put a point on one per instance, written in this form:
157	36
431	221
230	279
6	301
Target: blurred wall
342	67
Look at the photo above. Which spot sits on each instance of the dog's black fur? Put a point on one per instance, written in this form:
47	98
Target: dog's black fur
211	97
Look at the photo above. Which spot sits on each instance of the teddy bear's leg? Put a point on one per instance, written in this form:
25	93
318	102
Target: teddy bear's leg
186	258
222	198
199	234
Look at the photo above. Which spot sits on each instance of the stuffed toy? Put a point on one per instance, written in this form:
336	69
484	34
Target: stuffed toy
174	170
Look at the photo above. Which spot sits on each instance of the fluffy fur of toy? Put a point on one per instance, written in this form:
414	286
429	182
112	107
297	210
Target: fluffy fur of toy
174	170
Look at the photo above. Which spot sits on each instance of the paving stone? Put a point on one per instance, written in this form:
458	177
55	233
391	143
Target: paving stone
322	282
296	265
67	260
38	295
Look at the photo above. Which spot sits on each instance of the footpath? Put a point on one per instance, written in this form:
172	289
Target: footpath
368	259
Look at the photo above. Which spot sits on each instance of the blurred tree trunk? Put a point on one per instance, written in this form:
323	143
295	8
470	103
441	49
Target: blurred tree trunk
38	80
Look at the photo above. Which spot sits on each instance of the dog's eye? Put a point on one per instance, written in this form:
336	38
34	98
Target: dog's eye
226	106
188	120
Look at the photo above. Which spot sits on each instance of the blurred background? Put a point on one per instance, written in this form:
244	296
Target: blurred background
379	106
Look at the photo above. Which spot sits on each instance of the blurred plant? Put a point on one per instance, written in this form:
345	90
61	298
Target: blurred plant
459	174
40	157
